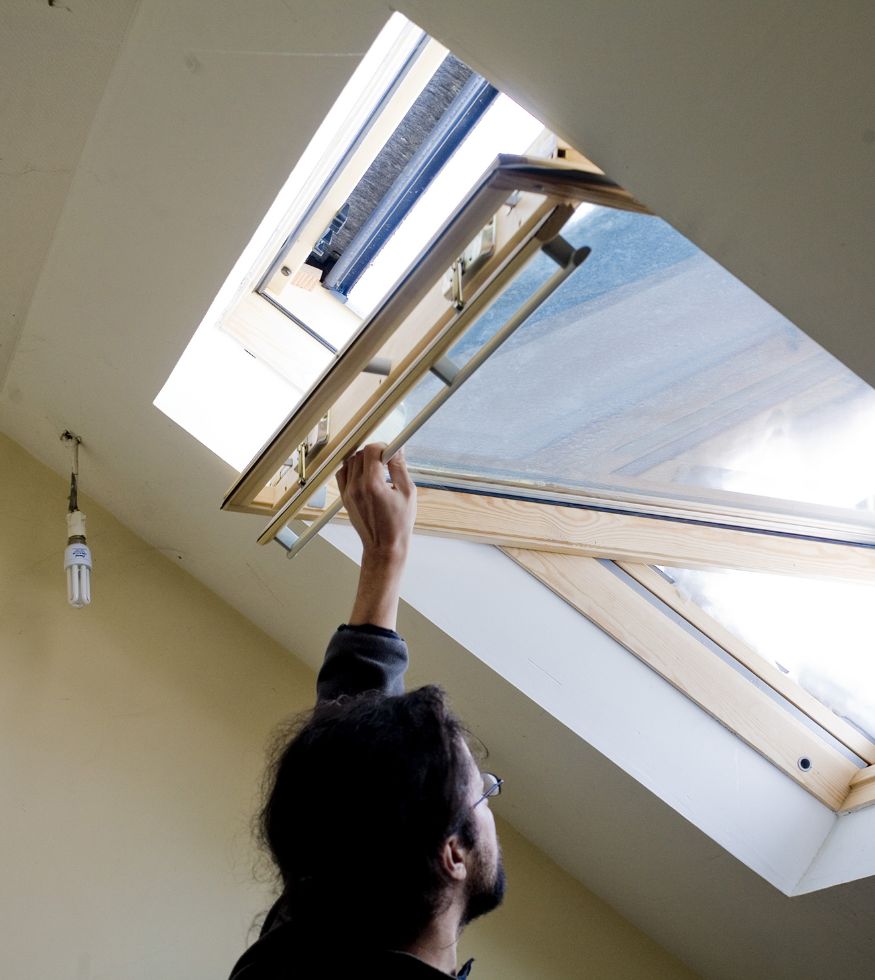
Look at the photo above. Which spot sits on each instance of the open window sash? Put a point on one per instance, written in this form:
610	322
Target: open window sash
524	203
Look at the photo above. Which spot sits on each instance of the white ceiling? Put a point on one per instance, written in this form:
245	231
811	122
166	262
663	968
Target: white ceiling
143	142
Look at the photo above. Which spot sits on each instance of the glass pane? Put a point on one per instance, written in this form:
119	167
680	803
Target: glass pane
819	633
654	371
533	273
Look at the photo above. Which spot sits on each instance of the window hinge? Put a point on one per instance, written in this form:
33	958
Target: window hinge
473	258
305	453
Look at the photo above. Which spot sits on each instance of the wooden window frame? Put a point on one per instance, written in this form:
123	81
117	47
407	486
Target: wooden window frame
861	791
776	679
412	343
512	523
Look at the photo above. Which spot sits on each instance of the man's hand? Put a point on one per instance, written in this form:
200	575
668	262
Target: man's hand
383	514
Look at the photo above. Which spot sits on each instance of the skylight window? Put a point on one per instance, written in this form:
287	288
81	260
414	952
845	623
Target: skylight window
441	272
406	141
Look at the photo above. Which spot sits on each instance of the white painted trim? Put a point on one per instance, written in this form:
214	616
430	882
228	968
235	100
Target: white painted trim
847	854
615	703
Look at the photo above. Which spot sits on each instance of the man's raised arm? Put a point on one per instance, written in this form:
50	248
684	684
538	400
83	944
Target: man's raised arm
367	654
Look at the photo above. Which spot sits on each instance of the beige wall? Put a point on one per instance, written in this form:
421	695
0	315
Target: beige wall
131	743
550	926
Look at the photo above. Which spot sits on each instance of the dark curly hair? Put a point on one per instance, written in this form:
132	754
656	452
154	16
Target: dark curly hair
361	796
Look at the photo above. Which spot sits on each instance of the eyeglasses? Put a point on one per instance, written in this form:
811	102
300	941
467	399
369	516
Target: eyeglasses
491	787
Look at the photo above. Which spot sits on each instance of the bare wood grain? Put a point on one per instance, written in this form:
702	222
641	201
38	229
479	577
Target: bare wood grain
677	656
776	679
623	537
862	791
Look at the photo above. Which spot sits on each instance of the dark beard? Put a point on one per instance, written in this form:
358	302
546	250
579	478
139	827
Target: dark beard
485	890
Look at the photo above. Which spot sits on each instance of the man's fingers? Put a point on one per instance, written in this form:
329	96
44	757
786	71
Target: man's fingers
354	468
342	477
381	513
365	468
398	472
372	462
349	478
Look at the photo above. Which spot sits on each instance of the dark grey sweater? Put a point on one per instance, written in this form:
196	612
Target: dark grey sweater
362	658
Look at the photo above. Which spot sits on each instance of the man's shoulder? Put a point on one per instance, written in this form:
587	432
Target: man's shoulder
281	955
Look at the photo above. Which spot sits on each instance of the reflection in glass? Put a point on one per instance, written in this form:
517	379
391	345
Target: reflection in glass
819	633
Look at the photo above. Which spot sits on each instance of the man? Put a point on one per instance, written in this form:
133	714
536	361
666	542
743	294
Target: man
377	817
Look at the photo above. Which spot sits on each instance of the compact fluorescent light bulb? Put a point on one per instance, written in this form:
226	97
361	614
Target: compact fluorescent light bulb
77	561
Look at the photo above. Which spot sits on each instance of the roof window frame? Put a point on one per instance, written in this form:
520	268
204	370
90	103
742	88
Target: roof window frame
569	550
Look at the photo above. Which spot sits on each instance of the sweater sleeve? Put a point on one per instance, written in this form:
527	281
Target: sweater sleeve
362	658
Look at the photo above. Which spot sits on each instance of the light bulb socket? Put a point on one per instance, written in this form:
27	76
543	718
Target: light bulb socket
76	526
77	551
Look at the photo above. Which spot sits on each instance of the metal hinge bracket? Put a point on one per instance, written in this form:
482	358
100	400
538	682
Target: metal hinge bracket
307	450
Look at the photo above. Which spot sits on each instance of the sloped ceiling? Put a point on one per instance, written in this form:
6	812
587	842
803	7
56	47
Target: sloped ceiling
143	142
56	64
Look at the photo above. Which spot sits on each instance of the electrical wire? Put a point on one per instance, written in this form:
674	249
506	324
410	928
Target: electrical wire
74	440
